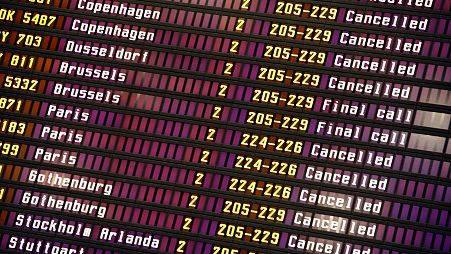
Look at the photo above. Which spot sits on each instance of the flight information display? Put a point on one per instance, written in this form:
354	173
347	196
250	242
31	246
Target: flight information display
225	126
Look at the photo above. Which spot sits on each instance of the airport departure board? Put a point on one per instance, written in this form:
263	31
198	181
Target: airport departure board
225	126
